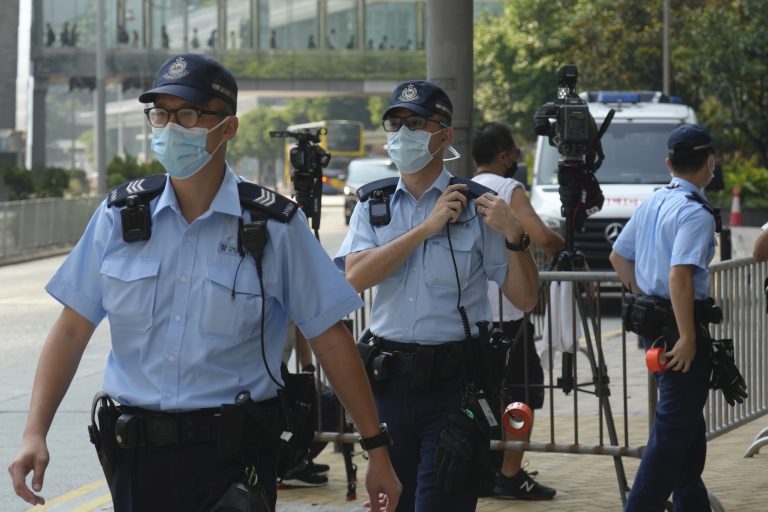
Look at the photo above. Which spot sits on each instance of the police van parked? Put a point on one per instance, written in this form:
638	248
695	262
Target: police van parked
635	147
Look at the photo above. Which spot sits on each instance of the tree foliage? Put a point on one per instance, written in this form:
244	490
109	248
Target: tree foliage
124	168
719	59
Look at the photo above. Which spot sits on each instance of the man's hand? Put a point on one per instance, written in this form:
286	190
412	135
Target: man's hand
681	356
497	214
447	209
33	456
381	483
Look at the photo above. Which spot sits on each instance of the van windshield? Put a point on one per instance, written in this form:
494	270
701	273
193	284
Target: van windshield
634	153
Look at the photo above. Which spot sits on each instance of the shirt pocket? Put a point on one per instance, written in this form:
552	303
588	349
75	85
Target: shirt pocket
223	318
129	286
438	264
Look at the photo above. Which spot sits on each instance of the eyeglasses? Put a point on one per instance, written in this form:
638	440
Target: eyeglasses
185	116
392	124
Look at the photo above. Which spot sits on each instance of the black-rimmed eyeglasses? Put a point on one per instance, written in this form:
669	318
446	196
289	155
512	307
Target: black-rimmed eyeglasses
185	116
393	123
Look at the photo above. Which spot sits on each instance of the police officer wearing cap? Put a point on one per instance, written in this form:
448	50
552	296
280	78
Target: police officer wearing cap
427	248
663	252
197	317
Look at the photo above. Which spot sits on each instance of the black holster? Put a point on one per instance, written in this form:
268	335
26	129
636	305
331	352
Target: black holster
651	316
101	431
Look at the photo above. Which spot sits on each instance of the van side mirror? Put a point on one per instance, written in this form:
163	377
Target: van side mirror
718	182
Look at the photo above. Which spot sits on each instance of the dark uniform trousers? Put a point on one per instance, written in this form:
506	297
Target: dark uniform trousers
415	419
677	447
187	478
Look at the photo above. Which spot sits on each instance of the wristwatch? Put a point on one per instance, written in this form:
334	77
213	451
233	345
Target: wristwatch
380	439
525	241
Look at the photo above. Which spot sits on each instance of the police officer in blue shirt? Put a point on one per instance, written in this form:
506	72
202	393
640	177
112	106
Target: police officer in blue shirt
427	248
197	317
663	252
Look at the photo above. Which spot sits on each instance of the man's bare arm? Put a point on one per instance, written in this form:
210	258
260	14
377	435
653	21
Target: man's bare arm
56	368
626	270
541	235
337	354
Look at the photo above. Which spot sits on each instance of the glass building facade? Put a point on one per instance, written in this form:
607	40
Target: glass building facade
268	45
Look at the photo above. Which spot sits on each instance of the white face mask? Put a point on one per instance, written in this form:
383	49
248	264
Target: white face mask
182	150
409	149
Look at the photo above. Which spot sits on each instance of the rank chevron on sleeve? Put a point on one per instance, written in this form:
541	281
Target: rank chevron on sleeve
135	187
266	198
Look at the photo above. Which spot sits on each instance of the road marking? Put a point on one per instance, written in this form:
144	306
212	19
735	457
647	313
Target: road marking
94	504
71	495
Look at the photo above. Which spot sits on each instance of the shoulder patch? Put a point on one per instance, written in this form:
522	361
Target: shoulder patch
474	188
715	212
147	188
386	185
256	197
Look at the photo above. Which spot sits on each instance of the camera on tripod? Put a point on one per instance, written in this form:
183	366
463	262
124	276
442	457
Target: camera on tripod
574	129
307	160
569	126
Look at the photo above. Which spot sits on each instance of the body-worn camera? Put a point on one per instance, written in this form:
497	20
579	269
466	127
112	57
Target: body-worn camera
569	126
307	160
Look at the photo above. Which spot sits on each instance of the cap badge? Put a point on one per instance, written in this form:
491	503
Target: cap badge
177	70
409	94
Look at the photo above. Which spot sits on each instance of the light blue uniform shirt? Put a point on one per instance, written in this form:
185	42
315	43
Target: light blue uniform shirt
417	302
669	229
179	339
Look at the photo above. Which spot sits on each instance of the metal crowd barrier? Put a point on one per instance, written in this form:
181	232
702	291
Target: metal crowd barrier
608	370
39	226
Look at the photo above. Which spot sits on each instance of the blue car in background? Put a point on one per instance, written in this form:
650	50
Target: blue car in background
362	171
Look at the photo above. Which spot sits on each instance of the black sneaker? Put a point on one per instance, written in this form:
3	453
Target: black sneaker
521	487
317	468
304	478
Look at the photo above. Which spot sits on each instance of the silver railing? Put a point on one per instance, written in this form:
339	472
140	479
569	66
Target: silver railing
39	226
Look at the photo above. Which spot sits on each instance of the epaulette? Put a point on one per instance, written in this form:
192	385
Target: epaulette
258	198
475	189
715	212
147	188
386	185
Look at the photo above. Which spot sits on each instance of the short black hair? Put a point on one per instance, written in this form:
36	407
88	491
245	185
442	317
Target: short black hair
491	139
691	161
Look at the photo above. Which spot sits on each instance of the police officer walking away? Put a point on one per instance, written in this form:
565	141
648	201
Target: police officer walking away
431	251
496	155
197	271
663	253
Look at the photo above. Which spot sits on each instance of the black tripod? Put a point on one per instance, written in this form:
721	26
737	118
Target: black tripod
575	179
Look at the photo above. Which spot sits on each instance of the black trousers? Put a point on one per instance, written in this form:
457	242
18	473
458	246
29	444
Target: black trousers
189	478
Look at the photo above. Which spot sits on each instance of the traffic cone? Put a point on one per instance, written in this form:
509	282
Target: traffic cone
735	219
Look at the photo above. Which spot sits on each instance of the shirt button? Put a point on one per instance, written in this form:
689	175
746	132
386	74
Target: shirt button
410	299
171	359
189	239
420	210
177	318
183	279
168	395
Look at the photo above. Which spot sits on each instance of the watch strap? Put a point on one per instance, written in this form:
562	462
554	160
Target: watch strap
525	241
380	439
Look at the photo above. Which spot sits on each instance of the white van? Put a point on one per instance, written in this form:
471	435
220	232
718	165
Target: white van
635	147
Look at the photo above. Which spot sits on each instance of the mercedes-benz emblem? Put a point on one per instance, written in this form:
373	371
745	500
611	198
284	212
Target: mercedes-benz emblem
612	231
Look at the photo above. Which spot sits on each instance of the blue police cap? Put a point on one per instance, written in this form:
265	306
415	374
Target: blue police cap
195	78
688	138
422	97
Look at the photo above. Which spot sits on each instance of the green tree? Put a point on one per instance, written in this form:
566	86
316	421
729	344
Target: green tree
20	183
50	181
124	168
722	62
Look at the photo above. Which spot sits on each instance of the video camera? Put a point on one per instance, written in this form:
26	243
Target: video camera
307	160
569	126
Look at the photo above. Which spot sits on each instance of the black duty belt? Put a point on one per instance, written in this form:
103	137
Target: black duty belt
141	427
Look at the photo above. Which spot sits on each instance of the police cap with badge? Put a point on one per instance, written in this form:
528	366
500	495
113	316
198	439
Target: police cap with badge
425	99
